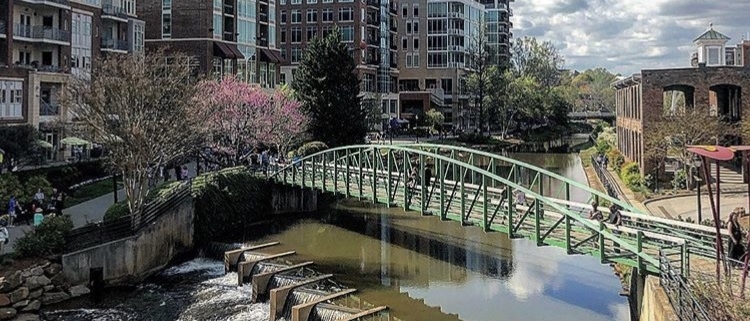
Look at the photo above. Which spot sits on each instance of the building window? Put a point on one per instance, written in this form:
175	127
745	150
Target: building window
404	10
327	15
312	32
713	56
283	16
312	1
416	60
283	36
296	35
345	1
166	4
166	24
416	10
312	15
282	2
326	31
346	14
11	99
404	43
415	23
347	33
296	16
327	1
416	43
408	61
272	14
218	24
296	1
217	5
408	27
296	54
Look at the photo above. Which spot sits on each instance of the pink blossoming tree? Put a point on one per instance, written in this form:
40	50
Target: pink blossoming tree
244	116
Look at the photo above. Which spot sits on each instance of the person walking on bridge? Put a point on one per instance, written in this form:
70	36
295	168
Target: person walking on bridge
736	249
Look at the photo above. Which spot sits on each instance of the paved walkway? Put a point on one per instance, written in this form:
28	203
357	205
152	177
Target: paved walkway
686	206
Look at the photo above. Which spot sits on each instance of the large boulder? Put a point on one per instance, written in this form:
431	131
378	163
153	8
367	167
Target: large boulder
78	290
19	294
4	300
36	282
27	317
10	282
33	306
54	297
7	313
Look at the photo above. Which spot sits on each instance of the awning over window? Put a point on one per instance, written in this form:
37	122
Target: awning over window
268	55
221	50
236	52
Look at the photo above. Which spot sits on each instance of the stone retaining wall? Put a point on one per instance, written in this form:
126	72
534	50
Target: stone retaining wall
24	292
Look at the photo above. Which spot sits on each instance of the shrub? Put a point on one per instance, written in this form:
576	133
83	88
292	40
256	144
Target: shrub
680	179
46	239
311	148
116	210
473	138
9	185
62	177
602	146
35	183
631	176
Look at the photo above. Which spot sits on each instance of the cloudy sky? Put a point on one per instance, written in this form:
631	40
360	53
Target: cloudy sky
626	36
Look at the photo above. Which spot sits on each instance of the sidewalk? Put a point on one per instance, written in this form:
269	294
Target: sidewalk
628	193
687	206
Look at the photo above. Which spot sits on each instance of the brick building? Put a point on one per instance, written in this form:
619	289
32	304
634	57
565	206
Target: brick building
718	82
43	42
226	38
368	27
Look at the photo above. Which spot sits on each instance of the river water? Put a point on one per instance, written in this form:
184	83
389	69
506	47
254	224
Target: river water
420	267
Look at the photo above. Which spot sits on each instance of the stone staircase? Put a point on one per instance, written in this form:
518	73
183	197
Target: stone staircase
727	175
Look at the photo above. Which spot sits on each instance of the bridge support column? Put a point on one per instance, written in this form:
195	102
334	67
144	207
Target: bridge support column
346	178
405	172
441	171
509	201
389	188
375	176
335	173
422	205
360	159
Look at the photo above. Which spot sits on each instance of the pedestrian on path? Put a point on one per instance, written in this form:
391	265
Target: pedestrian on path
595	213
12	204
736	249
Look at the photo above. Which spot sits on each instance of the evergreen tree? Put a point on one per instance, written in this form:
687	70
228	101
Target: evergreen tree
328	87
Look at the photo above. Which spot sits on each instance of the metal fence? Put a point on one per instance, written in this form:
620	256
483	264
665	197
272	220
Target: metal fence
109	231
613	189
671	277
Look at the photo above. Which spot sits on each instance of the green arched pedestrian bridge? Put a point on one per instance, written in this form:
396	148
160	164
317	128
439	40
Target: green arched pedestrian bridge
467	186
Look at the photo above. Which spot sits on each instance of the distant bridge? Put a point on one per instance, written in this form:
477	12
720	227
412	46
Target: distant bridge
604	115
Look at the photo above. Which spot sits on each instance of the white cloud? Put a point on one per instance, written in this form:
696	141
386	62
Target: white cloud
626	36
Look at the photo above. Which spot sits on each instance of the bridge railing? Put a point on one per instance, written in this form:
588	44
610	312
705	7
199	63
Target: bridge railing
675	284
612	188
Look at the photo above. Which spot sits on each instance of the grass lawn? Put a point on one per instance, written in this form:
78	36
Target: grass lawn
90	192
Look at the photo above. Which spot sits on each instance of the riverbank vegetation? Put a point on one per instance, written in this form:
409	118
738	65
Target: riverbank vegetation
46	239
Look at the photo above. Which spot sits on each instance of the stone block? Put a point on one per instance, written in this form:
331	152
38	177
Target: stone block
11	282
36	282
7	313
78	290
4	300
48	288
37	271
21	304
19	294
33	306
54	297
52	269
36	294
58	279
27	317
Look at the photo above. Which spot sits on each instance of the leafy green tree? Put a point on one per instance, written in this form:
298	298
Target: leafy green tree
328	87
9	186
434	118
481	61
19	144
542	61
595	89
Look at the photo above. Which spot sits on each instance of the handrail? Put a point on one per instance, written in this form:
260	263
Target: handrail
534	168
680	295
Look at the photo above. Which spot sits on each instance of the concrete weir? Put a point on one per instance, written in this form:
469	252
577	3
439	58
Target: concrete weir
295	291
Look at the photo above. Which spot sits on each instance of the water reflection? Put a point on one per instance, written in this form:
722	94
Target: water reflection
399	259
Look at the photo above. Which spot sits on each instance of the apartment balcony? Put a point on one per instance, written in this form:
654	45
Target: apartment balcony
393	8
394	26
109	44
39	67
114	12
62	4
373	3
456	15
41	34
456	32
373	22
372	60
48	109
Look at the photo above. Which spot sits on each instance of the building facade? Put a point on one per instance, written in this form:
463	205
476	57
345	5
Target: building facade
435	45
368	27
43	43
719	82
229	37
